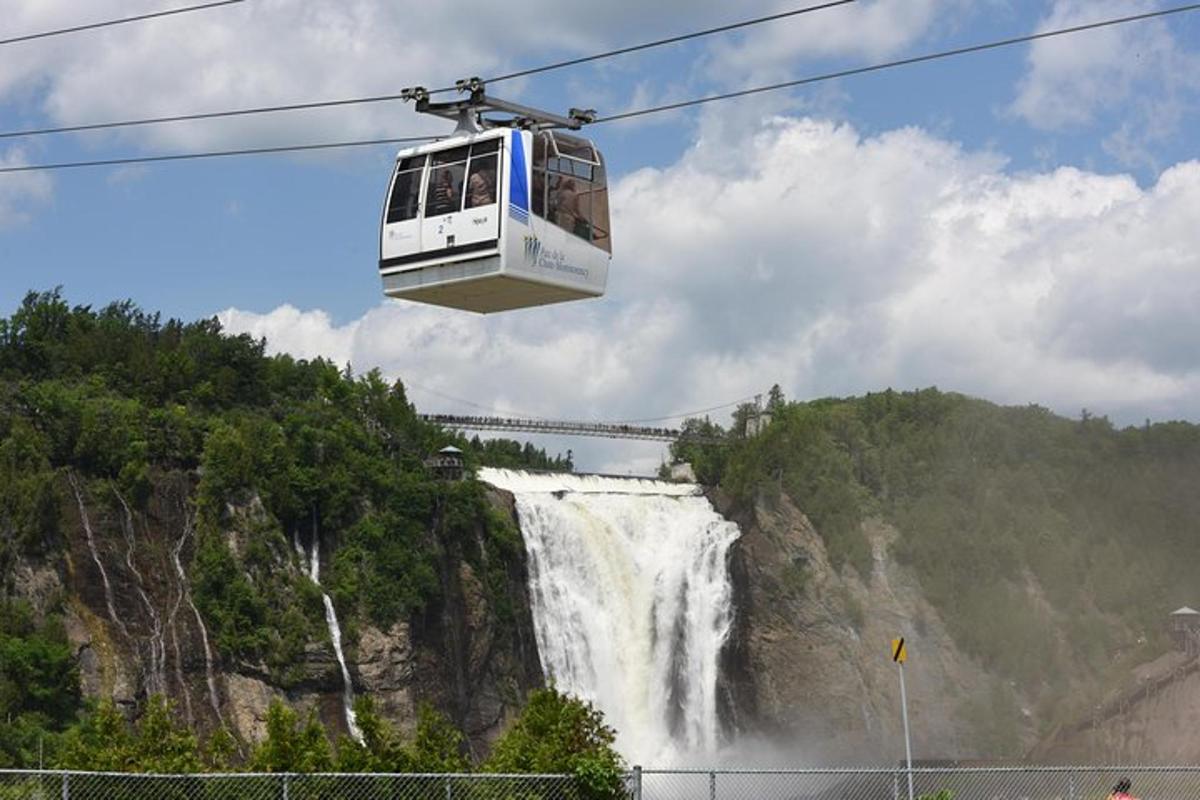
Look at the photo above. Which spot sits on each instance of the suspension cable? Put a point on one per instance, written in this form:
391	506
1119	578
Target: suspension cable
903	62
249	151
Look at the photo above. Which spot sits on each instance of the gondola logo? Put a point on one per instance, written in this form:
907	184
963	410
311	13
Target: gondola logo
544	258
533	250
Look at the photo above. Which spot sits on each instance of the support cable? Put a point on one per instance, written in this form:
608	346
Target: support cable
903	62
122	21
249	151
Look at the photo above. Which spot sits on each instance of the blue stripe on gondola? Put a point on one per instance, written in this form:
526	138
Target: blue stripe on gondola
518	196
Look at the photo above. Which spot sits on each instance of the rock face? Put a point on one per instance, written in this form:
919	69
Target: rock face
1150	719
123	582
475	655
808	667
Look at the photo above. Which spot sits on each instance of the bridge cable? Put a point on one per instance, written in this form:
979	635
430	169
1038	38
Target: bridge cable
122	21
685	414
95	126
631	114
490	409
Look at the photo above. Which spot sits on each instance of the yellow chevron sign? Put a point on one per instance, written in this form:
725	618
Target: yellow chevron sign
899	650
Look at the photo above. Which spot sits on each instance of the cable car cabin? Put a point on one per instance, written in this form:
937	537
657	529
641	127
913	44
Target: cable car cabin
497	220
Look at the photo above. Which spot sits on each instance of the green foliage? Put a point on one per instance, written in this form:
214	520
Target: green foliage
507	454
436	745
560	734
1046	543
39	685
944	794
107	742
292	745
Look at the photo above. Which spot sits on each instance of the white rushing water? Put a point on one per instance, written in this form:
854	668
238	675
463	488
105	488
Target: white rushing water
632	602
335	634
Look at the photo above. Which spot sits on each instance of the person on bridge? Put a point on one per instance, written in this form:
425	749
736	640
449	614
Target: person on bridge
1121	791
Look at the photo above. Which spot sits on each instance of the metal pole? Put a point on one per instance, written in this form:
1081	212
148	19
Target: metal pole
637	783
447	789
66	790
286	786
712	786
907	740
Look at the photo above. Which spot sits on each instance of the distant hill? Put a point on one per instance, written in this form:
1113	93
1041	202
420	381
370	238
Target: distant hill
1052	548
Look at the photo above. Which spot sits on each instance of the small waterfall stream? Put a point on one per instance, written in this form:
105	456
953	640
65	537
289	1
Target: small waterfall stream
185	593
631	601
335	633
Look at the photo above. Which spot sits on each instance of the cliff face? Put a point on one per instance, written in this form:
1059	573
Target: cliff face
124	579
808	668
1150	718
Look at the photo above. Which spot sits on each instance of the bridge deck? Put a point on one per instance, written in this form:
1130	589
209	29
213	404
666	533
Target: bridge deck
607	430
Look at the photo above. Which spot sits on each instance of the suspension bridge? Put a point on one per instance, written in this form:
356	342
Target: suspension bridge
606	430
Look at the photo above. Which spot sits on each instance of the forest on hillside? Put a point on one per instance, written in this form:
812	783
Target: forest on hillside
1054	548
116	400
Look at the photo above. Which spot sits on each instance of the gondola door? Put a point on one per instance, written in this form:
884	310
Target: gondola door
401	238
461	209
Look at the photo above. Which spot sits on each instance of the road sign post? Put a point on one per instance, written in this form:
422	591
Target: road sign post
900	655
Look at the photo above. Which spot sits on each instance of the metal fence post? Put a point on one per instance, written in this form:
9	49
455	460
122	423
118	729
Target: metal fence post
66	790
447	788
895	786
712	786
1071	786
637	783
286	784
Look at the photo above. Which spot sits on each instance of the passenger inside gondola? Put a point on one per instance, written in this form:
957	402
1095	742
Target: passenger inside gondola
481	185
443	198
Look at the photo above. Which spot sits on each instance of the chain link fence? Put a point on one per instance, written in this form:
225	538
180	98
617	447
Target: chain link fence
1009	783
1000	783
16	785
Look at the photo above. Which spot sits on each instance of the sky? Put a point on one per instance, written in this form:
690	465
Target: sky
1021	225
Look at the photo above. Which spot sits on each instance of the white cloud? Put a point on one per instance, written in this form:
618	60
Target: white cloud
270	52
869	29
1139	71
832	264
20	192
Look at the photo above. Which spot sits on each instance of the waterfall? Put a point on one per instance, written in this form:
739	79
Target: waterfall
91	543
335	634
189	523
631	602
157	680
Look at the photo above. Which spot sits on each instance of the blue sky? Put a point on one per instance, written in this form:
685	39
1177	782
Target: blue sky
1045	149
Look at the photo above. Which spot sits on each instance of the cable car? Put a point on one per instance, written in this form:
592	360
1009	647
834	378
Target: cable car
503	214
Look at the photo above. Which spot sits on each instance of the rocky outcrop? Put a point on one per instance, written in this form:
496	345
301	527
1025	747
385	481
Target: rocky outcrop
123	584
1149	719
808	666
475	651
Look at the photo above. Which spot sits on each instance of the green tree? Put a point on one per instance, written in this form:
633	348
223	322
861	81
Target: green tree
292	745
556	733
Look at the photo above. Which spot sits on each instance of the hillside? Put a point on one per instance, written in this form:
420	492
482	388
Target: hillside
1053	549
163	487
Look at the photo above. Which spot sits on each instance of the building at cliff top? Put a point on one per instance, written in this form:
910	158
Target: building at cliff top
447	464
1185	630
